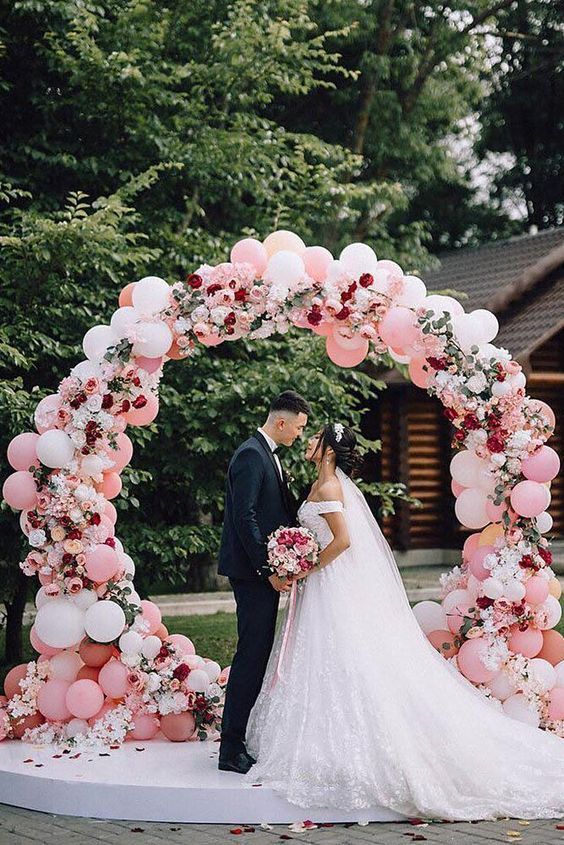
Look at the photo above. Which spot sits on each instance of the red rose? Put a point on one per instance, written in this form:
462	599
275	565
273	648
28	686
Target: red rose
346	295
231	319
450	413
483	602
343	313
140	402
110	542
194	281
67	558
495	443
314	318
95	519
107	401
437	363
213	289
181	672
125	405
366	280
460	436
471	422
546	555
526	562
240	295
75	534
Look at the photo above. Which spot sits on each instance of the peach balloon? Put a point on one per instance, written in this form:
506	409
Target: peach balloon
476	562
455	617
536	590
113	678
111	486
443	642
528	643
19	491
84	698
94	654
87	672
317	260
146	726
123	454
345	357
490	533
419	376
51	700
175	352
110	512
151	614
552	647
161	632
282	239
470	545
250	251
323	329
21	451
26	723
109	704
126	295
556	703
150	365
13	678
178	727
554	588
182	643
544	410
145	415
470	661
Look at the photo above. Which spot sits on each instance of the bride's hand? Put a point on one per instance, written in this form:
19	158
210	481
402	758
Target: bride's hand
299	576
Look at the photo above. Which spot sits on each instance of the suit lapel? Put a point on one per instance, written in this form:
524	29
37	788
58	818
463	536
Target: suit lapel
270	454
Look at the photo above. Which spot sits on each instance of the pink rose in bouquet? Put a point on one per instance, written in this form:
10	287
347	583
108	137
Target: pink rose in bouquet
292	551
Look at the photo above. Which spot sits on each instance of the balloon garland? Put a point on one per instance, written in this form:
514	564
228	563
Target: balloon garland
108	669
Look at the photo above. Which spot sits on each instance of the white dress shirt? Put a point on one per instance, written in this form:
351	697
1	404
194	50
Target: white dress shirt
273	446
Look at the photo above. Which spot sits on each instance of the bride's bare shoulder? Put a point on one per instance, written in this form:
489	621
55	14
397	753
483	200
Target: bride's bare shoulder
330	491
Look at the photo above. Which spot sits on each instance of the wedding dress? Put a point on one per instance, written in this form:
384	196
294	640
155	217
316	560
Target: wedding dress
366	713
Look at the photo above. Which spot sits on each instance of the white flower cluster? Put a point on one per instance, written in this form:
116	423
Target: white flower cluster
25	703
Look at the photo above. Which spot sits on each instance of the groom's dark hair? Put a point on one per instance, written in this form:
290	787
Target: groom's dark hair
290	401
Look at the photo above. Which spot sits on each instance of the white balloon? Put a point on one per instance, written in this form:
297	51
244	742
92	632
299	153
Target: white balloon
516	381
104	621
59	623
358	258
514	590
501	686
285	268
154	339
65	665
91	465
85	599
118	544
466	468
430	615
487	322
55	448
501	388
493	588
123	320
413	293
559	669
97	341
42	598
335	270
194	661
198	679
151	647
131	642
543	672
134	598
151	295
86	369
516	707
544	522
554	611
212	669
127	564
440	304
456	598
76	726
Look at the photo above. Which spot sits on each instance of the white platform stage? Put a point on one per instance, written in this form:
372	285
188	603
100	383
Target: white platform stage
149	781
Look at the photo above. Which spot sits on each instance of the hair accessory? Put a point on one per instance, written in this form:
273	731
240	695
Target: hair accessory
338	428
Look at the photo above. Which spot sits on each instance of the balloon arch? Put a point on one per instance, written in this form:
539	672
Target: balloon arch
107	668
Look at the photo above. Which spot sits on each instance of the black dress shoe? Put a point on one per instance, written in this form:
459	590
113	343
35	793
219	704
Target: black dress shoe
240	763
251	758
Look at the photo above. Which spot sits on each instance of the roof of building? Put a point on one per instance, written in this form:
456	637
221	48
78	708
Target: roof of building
520	279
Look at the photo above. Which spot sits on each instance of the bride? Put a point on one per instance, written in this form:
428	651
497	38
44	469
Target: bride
358	710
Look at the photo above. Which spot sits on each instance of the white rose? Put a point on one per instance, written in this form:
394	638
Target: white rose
37	537
94	402
476	383
78	437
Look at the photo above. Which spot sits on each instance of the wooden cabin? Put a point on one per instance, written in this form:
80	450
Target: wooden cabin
522	281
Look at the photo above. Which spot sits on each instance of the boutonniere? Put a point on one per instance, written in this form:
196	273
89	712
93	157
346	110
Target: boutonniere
290	478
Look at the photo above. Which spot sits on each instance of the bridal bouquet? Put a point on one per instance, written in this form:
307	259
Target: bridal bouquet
291	551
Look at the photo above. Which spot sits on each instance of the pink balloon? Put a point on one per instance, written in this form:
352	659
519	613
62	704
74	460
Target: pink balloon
211	339
317	260
536	589
21	451
101	563
323	329
108	705
19	491
419	376
146	726
476	562
397	327
529	498
110	512
111	485
470	661
87	672
544	410
250	251
541	466
150	365
182	643
145	415
107	526
455	616
46	412
528	642
40	646
556	703
13	678
494	512
456	487
178	727
51	700
354	342
389	267
113	678
151	614
470	545
345	357
84	698
123	454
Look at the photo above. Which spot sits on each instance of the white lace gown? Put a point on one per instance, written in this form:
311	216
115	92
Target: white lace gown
366	713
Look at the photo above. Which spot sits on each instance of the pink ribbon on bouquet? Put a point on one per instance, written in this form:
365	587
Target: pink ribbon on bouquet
291	611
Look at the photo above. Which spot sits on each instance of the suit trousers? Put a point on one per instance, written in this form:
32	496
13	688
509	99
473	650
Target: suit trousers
257	608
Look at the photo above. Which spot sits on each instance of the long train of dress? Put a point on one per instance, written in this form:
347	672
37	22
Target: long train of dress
367	713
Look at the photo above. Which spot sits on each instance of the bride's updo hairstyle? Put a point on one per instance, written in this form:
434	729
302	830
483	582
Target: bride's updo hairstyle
342	440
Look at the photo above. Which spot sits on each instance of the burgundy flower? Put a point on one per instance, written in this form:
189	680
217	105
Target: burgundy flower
125	405
546	555
314	317
110	542
181	672
240	295
213	289
107	401
366	280
343	313
194	281
67	559
75	534
137	381
95	519
526	562
471	422
459	436
493	421
483	602
450	413
495	443
437	363
231	319
139	401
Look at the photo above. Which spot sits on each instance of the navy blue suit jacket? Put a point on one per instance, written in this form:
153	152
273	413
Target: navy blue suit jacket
257	502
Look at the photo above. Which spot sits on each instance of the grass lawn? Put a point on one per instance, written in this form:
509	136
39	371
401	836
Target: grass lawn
214	636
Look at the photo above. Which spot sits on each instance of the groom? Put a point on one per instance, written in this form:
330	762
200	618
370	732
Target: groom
257	502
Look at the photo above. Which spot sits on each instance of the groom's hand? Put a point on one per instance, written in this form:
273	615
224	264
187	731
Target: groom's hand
281	585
